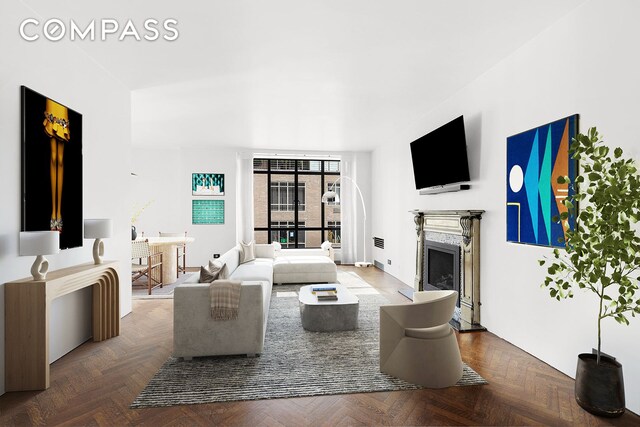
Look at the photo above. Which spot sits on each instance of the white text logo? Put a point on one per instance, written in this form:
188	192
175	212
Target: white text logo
55	29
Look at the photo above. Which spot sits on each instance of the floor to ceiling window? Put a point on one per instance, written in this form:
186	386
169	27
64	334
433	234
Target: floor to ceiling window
288	204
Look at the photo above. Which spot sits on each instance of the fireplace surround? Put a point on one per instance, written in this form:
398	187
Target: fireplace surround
453	228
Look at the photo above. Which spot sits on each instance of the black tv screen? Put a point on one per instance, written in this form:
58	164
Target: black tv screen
440	157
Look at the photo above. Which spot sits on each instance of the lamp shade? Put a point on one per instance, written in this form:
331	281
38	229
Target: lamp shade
98	228
39	242
330	195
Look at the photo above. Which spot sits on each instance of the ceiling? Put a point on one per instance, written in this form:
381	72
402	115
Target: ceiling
299	74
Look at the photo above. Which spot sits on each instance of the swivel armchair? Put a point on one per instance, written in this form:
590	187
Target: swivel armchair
417	344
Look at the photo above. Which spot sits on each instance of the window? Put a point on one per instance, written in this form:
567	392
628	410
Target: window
283	196
333	233
284	232
288	204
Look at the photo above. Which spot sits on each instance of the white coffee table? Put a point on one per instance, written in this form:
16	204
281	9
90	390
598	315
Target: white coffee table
326	316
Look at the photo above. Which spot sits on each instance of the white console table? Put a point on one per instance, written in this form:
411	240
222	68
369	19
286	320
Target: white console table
27	308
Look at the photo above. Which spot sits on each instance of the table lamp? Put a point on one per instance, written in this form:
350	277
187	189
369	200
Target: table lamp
98	229
39	243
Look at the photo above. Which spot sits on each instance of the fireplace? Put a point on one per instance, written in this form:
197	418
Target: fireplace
448	257
441	266
442	269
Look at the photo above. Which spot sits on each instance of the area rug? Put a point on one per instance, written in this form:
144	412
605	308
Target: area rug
166	291
294	363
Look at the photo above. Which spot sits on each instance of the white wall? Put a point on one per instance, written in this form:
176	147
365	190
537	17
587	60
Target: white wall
64	73
584	64
164	178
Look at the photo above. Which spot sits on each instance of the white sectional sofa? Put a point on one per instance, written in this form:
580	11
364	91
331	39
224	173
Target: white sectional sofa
304	266
195	333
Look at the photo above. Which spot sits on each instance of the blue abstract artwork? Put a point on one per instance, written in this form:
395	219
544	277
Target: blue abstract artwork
535	160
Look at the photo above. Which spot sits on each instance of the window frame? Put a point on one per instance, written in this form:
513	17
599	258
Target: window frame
326	179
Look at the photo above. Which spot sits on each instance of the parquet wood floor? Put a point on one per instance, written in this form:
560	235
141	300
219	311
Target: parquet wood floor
95	383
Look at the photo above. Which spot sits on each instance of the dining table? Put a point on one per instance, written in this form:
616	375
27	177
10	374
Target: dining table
168	247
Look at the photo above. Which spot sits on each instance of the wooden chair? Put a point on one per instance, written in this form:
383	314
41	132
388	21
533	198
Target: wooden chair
149	264
181	252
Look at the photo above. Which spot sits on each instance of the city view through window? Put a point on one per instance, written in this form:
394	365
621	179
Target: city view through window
288	208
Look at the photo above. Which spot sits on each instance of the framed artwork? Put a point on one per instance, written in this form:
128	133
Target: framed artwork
207	184
51	168
535	160
207	211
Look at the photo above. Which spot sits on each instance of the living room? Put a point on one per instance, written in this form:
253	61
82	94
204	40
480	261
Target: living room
518	67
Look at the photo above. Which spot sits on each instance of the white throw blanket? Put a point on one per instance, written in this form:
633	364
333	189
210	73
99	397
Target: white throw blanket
225	299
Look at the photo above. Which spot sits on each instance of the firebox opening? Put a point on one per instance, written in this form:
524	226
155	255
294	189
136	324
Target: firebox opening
442	269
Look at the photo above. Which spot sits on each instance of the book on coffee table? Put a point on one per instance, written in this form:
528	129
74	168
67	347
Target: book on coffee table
315	289
327	295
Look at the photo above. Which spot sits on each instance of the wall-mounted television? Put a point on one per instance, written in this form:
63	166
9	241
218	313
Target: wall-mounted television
440	157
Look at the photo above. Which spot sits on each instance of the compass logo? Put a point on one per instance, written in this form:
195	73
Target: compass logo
55	29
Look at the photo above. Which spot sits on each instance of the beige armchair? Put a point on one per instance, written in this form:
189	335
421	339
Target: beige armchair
417	344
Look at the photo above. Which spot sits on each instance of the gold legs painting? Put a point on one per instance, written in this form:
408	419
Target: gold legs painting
51	168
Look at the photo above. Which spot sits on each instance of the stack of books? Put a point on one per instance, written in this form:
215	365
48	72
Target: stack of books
325	293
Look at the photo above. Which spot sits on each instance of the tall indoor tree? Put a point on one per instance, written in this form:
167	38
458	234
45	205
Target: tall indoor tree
602	252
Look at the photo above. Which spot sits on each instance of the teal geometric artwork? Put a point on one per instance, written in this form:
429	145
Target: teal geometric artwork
207	211
207	184
535	159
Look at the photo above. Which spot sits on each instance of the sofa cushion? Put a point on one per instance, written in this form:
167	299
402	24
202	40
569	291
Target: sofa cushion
231	258
303	264
258	269
265	251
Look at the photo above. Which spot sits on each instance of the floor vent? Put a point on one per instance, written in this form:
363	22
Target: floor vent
378	264
378	242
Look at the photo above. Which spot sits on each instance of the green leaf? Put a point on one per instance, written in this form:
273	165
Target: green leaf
617	153
541	261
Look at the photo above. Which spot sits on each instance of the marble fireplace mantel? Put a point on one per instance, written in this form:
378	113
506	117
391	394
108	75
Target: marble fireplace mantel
464	223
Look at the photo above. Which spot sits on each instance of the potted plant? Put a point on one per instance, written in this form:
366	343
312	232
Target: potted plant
137	211
602	256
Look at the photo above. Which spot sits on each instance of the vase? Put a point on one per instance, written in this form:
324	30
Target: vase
600	386
134	233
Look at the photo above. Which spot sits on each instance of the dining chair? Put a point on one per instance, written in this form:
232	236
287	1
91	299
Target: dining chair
146	263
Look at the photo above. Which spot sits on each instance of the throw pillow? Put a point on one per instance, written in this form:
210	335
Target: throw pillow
207	276
220	269
247	252
216	266
224	273
326	245
276	245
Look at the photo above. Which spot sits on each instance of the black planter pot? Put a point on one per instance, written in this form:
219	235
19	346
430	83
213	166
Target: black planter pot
600	387
134	233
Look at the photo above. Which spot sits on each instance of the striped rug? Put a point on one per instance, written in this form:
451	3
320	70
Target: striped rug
294	363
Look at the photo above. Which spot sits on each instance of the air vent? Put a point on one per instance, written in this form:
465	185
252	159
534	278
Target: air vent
378	264
378	242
